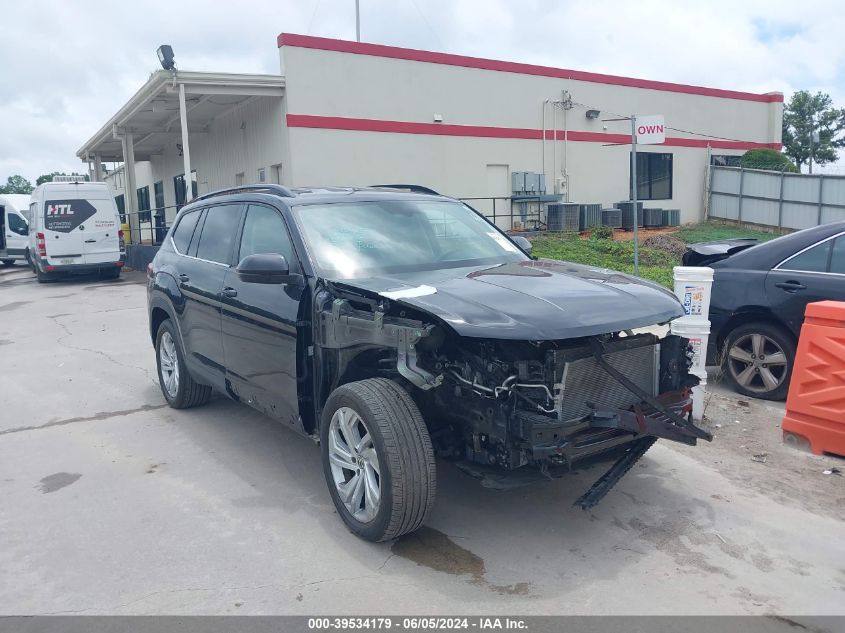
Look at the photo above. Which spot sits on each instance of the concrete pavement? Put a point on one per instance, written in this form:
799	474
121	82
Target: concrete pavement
112	503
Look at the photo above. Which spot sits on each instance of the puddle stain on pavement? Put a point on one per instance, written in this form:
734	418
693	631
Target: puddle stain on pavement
13	306
57	481
431	548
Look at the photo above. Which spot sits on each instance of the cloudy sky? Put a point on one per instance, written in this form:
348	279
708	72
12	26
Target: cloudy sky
66	67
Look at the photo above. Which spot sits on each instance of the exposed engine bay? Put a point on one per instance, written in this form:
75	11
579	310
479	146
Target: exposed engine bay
509	404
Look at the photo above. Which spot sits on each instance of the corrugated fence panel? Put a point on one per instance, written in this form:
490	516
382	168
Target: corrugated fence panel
832	214
833	191
725	180
801	188
761	185
760	211
726	207
800	216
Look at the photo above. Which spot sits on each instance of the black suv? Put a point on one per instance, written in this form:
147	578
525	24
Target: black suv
392	326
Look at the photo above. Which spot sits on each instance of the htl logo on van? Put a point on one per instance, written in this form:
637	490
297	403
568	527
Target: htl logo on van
59	209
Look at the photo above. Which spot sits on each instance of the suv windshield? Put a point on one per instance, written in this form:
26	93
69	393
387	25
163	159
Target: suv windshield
362	239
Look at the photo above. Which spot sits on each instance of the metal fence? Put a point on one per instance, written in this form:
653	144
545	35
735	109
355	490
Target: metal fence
509	214
146	227
776	199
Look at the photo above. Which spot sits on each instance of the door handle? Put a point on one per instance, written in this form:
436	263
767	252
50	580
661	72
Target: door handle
790	286
90	241
230	292
184	278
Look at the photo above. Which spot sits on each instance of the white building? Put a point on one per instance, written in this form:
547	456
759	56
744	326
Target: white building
348	113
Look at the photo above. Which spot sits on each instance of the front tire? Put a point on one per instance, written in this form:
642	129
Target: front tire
377	459
177	385
757	360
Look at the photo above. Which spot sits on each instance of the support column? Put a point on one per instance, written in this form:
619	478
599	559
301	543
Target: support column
130	197
186	150
98	168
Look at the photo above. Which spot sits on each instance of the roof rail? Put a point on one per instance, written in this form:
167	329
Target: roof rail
278	190
411	188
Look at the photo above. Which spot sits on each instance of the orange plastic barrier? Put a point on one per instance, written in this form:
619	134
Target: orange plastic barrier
815	407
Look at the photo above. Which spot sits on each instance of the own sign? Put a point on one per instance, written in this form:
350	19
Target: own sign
651	130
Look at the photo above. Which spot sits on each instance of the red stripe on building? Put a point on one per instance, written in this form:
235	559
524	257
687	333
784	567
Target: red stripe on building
484	131
448	59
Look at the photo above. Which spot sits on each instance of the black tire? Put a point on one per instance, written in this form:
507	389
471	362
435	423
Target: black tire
740	339
8	262
402	444
30	261
189	393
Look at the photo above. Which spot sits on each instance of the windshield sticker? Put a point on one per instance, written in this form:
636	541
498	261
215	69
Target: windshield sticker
407	293
63	216
503	242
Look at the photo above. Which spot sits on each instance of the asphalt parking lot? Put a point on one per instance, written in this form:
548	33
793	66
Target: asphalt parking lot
112	503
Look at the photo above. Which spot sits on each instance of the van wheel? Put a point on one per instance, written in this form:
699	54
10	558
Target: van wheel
377	459
757	360
8	262
178	387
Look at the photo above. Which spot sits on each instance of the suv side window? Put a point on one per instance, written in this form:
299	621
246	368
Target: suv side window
265	232
184	230
218	233
813	260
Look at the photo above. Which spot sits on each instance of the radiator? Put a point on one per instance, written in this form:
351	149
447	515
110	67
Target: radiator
581	380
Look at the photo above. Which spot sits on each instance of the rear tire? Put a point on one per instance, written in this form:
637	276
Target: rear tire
8	262
757	360
396	440
177	385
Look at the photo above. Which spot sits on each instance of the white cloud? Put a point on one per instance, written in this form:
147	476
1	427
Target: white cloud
65	68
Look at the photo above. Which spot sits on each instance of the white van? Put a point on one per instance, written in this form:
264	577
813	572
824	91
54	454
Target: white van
75	228
14	227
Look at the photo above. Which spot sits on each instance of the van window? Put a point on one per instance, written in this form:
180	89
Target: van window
218	233
16	223
184	230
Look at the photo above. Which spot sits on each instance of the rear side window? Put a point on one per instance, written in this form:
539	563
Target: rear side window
16	223
218	233
837	257
813	260
184	230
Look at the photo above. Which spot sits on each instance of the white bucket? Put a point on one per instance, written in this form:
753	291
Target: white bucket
698	332
692	287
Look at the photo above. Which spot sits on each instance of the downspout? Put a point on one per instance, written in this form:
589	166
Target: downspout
554	149
543	160
565	151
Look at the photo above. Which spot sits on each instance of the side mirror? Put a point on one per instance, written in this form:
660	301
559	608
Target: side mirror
522	242
265	268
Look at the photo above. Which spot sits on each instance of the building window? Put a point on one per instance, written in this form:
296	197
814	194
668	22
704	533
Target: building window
723	160
654	176
158	191
120	203
276	173
239	179
143	194
180	191
262	175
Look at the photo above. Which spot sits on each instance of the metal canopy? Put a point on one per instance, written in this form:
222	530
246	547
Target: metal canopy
152	119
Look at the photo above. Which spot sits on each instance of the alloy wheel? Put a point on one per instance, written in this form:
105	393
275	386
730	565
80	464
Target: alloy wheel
354	464
169	364
757	363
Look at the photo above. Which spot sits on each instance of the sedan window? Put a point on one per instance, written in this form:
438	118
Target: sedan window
837	257
813	260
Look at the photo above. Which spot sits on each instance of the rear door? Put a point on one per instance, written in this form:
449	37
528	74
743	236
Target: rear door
814	274
100	241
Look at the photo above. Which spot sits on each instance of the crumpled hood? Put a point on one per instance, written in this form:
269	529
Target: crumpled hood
530	300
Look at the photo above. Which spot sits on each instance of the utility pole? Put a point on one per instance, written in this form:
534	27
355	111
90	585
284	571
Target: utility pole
634	192
357	21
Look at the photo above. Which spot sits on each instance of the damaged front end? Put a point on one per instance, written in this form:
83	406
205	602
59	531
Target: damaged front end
545	406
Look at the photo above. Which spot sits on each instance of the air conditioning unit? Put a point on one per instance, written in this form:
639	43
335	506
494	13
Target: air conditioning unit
563	217
652	217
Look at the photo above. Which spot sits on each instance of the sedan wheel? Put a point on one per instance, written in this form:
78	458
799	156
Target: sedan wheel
354	464
758	360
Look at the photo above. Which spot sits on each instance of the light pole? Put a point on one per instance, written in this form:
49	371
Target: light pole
357	21
634	192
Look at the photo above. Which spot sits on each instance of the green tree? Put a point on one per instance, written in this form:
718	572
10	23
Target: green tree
16	184
806	114
769	159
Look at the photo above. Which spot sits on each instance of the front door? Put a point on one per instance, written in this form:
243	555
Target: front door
259	322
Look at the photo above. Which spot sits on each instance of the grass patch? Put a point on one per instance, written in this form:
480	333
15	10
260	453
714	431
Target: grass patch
710	231
655	265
